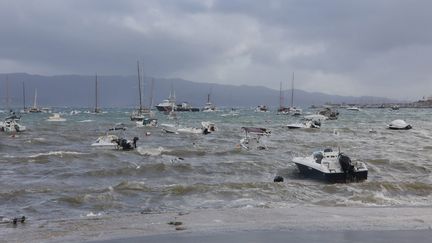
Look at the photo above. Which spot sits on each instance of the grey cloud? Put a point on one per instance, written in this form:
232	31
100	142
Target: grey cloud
372	47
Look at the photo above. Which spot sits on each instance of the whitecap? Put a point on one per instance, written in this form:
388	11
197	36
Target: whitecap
150	151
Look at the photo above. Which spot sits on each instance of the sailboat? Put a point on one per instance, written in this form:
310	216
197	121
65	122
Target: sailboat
292	109
34	109
96	110
139	114
282	109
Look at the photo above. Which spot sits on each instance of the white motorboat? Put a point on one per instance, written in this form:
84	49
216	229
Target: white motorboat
306	124
332	166
209	107
206	128
11	125
113	141
56	118
252	138
315	117
399	125
353	108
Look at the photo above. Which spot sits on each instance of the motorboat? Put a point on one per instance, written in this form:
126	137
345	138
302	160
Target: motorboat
148	122
329	113
206	128
252	138
261	108
11	125
114	141
315	117
168	104
306	124
56	118
394	107
209	107
399	125
332	166
353	108
186	107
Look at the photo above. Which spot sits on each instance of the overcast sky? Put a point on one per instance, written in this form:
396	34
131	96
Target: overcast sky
364	47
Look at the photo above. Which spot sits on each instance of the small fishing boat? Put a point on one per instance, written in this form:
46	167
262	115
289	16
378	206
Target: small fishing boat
56	118
332	166
399	125
252	138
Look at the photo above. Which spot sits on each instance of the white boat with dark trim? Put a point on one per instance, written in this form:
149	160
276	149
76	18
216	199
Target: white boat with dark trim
11	125
332	166
304	125
399	125
206	128
252	138
115	141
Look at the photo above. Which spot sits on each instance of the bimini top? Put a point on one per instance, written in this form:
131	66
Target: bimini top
259	130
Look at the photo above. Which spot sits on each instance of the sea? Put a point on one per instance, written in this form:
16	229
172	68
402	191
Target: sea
51	171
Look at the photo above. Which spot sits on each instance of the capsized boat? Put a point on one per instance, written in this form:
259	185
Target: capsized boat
306	124
399	125
252	138
332	166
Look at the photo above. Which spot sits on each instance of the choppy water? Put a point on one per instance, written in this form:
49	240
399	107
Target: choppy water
51	171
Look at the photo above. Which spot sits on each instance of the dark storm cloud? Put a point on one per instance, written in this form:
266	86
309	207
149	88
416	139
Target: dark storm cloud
343	47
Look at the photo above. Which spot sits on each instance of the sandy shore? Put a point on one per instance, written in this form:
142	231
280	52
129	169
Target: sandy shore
292	219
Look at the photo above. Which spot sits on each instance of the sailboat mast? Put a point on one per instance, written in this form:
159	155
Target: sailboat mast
24	101
35	98
7	93
292	91
139	86
280	96
96	94
151	93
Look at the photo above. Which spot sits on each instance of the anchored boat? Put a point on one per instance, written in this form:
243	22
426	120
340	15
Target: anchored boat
332	166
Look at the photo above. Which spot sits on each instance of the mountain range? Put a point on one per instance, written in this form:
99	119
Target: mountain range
122	91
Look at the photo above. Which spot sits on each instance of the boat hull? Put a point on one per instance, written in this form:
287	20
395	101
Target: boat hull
332	177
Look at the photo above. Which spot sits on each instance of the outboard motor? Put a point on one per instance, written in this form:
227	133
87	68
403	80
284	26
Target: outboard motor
206	131
347	166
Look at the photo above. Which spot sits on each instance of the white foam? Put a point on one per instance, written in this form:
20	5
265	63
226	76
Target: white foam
60	153
86	121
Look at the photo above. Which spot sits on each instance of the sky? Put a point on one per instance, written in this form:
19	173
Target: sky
368	47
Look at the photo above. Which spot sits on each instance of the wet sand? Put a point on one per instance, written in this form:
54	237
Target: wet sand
300	222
